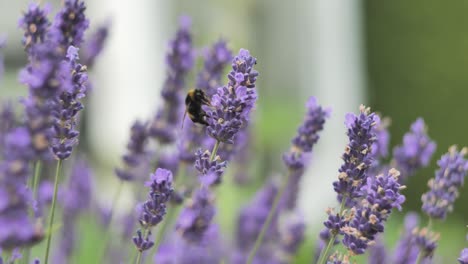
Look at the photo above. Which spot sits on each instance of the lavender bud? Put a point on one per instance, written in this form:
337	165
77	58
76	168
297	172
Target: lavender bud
357	157
416	151
35	24
70	24
142	243
439	200
210	172
232	103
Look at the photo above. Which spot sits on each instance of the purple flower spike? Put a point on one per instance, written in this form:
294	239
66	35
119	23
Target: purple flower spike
463	259
439	200
292	236
70	24
232	103
95	44
66	107
302	145
154	209
406	250
136	160
196	218
35	24
142	243
357	157
251	219
416	151
210	171
378	252
215	59
367	220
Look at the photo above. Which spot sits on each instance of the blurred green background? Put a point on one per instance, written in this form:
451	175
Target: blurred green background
414	57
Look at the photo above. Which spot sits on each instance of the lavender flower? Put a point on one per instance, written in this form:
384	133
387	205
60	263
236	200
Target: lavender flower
35	24
136	159
357	157
47	77
66	107
7	122
92	48
302	145
179	60
141	242
70	24
426	241
338	259
249	224
463	259
210	172
232	103
292	237
154	209
406	250
16	229
215	59
195	219
416	151
439	200
382	195
380	146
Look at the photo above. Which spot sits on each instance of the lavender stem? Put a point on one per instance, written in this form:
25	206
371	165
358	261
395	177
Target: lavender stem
265	226
323	255
115	199
52	212
215	150
37	176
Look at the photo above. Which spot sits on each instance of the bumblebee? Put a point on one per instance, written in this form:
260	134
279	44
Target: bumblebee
194	101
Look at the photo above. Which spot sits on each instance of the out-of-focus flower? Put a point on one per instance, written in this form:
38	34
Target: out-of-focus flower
69	24
292	236
439	200
382	195
377	252
94	45
406	250
338	259
136	160
35	24
463	259
302	145
179	60
380	146
232	103
249	224
215	59
416	151
196	218
357	157
426	241
7	122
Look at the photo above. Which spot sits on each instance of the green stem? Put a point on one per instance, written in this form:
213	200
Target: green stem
265	226
114	201
215	150
52	212
138	260
419	259
37	176
323	255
